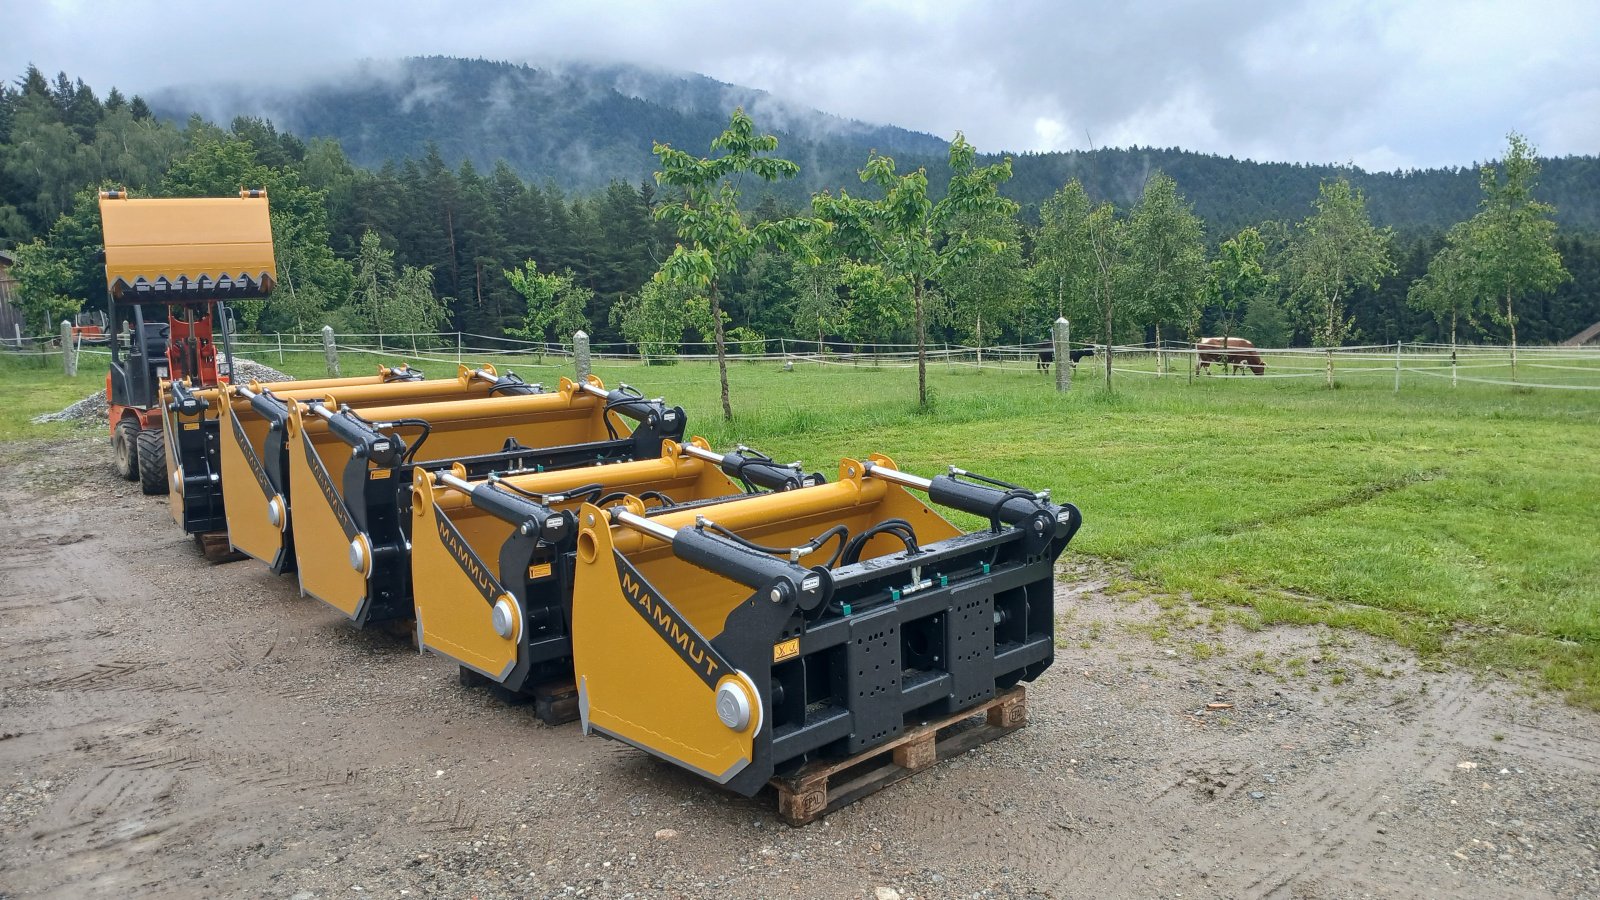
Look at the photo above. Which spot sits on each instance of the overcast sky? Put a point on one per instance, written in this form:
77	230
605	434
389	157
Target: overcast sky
1383	84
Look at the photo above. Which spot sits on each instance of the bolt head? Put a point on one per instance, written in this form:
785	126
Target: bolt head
733	706
503	618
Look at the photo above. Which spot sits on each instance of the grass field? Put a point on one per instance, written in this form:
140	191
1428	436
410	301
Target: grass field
1457	521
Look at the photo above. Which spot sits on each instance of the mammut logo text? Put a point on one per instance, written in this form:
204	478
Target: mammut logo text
471	566
698	655
250	457
329	493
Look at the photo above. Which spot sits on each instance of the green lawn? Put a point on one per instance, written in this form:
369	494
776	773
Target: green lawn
1453	520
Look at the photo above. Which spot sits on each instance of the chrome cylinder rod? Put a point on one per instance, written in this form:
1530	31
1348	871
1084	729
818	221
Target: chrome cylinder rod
895	476
642	525
451	481
700	453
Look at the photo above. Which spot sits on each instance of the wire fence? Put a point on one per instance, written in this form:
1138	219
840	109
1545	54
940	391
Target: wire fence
1543	367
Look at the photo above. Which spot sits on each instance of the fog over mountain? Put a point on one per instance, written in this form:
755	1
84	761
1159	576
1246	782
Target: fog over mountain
1383	85
580	126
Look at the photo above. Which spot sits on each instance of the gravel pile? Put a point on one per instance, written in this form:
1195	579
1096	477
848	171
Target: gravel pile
94	408
248	370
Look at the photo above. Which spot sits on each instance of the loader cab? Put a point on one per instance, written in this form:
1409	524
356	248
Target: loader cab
138	359
167	342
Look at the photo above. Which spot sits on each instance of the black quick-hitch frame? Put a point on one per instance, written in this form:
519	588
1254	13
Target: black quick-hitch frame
537	562
195	443
379	499
274	458
847	662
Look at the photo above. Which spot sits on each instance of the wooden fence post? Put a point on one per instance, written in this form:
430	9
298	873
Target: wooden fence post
330	351
1397	346
1062	337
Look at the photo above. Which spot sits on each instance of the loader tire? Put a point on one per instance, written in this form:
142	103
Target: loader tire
152	462
125	449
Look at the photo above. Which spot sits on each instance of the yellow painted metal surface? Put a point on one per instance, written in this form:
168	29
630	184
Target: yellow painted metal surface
482	425
785	519
242	441
323	529
633	684
244	433
457	560
373	389
193	238
459	428
671	712
451	612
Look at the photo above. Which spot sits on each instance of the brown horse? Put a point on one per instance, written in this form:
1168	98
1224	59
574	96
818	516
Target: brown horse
1237	354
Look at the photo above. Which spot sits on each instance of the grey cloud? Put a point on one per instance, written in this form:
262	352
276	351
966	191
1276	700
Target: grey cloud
1386	85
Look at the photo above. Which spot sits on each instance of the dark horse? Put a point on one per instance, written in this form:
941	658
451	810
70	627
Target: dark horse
1236	354
1047	358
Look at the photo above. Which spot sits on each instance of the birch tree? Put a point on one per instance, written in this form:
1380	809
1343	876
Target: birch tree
1331	254
1510	243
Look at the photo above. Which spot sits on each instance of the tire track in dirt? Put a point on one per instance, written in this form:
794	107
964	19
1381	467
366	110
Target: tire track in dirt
206	732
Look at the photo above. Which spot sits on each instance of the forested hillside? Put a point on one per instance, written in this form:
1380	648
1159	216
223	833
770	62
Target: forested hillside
424	242
582	126
579	127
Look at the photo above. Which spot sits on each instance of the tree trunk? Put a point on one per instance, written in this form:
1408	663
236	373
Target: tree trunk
1106	286
1329	350
455	266
722	352
1452	348
1511	319
922	348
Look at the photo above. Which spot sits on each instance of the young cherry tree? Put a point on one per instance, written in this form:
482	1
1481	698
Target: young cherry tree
554	301
714	238
911	241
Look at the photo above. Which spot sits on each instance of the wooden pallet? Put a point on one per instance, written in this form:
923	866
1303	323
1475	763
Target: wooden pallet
214	546
811	793
554	702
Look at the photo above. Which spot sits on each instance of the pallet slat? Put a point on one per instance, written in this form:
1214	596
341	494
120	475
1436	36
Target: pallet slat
808	795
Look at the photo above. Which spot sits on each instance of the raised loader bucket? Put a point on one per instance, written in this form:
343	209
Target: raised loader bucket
191	423
741	639
351	475
255	459
491	560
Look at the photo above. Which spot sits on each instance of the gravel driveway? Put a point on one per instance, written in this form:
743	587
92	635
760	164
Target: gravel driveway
173	728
